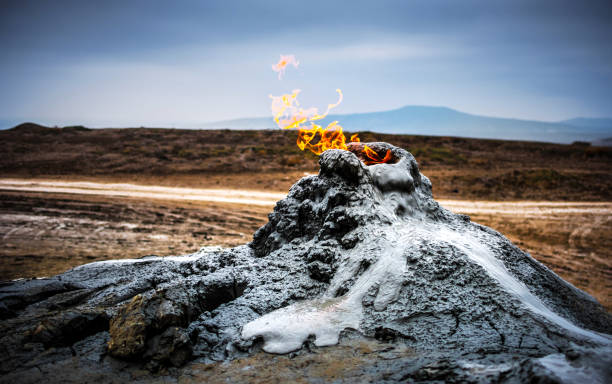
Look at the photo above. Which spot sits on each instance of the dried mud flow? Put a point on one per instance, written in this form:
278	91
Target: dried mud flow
572	239
358	273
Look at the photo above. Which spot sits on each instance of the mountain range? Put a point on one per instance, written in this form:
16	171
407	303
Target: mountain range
443	121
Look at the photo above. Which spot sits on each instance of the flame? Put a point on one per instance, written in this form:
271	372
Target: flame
374	158
289	115
282	64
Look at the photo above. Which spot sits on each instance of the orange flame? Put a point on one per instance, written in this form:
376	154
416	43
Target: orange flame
288	115
282	64
375	158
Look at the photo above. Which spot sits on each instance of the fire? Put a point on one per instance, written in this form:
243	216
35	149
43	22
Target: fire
282	64
289	115
375	158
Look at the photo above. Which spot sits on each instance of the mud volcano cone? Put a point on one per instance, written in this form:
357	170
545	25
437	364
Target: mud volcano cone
360	252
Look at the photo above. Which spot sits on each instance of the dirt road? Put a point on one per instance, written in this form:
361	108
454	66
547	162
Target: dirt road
143	191
254	197
48	226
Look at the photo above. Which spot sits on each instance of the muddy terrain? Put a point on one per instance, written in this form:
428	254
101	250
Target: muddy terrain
47	233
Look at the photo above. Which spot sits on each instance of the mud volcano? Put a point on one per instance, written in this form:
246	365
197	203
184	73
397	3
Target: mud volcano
357	253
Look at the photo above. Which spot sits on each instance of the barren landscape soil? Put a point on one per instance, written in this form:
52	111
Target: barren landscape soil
552	200
459	168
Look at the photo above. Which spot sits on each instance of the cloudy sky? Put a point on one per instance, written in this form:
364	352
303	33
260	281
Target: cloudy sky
180	63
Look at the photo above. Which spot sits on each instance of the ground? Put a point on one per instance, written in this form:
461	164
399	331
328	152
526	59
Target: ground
48	233
459	168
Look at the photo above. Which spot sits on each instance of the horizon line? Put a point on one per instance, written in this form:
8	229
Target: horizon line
98	126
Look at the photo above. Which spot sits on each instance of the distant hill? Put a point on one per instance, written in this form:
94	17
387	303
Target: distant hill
442	121
41	129
29	127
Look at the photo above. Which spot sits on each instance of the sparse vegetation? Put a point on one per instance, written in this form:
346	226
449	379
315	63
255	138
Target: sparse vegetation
269	159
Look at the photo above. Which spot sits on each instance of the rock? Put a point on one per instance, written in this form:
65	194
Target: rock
128	330
356	256
67	327
173	347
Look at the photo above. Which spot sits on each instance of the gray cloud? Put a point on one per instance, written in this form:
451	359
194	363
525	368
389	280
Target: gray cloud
79	60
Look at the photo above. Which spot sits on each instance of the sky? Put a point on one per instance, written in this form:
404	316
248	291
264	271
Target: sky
181	63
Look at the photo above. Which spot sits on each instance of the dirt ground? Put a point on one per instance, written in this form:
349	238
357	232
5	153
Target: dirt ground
47	233
44	234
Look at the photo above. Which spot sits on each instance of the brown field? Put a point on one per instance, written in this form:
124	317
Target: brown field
459	168
46	233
